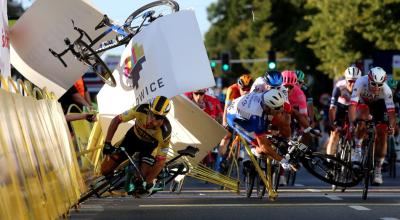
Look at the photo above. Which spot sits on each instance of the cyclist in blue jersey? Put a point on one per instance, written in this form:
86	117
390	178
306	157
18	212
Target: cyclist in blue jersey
250	116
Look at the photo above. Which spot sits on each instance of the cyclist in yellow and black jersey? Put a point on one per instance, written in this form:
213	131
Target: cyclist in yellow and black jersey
150	136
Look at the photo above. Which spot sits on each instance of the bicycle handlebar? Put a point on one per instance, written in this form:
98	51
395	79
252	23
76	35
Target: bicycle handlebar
58	56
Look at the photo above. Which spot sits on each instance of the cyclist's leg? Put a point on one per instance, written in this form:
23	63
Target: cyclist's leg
378	113
340	117
363	114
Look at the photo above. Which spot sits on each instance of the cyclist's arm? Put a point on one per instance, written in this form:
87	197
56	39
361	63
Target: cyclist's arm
228	101
126	116
334	101
265	144
390	106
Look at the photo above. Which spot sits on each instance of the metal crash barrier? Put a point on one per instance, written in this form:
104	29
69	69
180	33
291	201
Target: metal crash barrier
40	176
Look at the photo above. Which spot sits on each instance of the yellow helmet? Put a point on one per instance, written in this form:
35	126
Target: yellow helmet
245	81
160	105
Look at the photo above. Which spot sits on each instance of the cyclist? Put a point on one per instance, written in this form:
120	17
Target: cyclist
209	104
234	91
310	105
297	99
340	101
150	136
375	97
250	116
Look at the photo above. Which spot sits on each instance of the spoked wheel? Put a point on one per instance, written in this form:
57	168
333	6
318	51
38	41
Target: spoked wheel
324	167
148	13
344	154
392	157
90	58
101	186
368	165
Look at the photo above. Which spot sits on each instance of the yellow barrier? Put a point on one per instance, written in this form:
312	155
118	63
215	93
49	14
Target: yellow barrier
40	178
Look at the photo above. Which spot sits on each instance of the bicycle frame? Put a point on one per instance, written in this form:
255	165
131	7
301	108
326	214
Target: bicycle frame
267	180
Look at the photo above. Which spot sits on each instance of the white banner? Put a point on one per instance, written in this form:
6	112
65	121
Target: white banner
5	46
45	25
166	58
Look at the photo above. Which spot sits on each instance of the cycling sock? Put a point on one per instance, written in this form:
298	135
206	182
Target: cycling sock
378	165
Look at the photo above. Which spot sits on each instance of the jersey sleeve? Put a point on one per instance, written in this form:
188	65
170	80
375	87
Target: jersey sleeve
389	99
335	96
228	98
128	115
355	95
302	103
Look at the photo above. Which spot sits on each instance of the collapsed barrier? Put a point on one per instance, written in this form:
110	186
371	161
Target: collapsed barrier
40	176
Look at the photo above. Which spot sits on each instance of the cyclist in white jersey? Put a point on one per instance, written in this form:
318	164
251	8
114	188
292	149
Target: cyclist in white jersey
340	102
372	96
271	80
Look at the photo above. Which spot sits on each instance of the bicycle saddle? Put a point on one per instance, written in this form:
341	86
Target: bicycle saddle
105	21
189	151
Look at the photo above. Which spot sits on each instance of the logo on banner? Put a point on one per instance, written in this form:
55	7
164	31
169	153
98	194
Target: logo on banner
133	65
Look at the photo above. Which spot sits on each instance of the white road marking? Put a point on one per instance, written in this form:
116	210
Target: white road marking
313	190
298	184
388	218
359	208
333	197
94	208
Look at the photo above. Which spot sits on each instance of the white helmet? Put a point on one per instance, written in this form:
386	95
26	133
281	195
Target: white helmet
273	98
352	73
377	75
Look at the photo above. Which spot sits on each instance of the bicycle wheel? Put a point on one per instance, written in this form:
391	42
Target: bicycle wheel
368	168
324	167
250	178
157	8
344	154
89	57
102	185
392	157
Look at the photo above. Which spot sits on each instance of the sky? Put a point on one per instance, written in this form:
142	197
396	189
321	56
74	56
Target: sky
119	10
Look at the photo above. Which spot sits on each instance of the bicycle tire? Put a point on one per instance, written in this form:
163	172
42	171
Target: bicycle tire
249	184
368	165
343	153
392	157
102	187
127	24
325	163
87	54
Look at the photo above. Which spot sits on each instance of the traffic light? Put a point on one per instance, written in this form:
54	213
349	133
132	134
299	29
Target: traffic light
271	60
225	62
213	64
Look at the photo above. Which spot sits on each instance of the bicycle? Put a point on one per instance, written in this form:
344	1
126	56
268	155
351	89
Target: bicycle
116	179
83	51
343	152
322	166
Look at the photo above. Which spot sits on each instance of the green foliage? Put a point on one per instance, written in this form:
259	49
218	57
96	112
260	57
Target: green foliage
321	35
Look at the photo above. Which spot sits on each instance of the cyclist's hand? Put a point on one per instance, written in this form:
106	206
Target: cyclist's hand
91	117
390	130
108	148
285	164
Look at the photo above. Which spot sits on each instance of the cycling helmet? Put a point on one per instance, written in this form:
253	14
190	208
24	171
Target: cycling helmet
160	105
300	75
273	78
273	98
245	81
392	83
377	75
352	73
289	78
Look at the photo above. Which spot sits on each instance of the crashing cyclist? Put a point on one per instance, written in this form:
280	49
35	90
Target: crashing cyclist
340	102
371	96
150	136
250	117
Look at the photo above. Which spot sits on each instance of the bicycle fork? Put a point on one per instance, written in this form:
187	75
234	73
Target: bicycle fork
267	180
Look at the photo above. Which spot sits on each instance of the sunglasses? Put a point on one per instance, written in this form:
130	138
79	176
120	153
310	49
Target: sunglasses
289	87
157	117
278	108
275	87
245	89
374	84
198	93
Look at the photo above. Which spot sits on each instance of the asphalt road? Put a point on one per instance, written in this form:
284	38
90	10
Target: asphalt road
308	199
